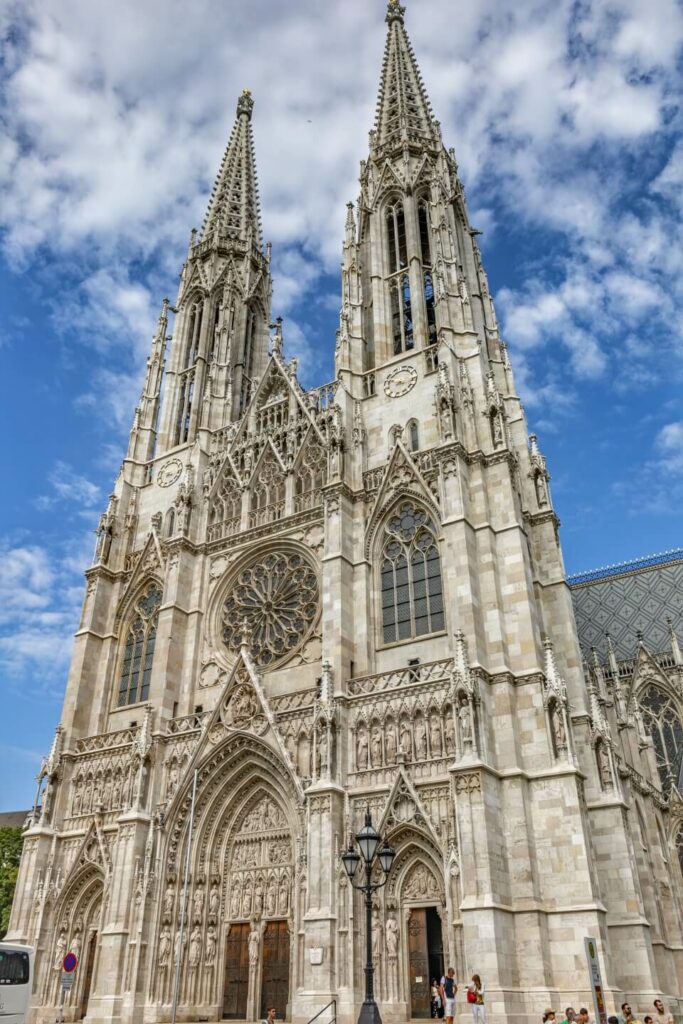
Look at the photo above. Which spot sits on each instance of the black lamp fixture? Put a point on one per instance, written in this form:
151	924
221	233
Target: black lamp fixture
373	850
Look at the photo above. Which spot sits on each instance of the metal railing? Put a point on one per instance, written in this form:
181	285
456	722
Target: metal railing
332	1020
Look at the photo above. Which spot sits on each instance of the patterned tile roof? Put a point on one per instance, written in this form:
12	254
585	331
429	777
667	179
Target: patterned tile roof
627	599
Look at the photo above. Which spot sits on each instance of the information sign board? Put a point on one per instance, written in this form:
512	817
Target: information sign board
596	980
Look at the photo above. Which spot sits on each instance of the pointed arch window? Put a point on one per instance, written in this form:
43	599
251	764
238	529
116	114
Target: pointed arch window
411	586
396	235
138	651
413	436
663	722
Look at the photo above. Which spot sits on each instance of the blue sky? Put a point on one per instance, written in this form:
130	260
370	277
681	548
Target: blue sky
565	123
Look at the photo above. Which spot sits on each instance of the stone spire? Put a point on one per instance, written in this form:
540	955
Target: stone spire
675	646
404	114
234	208
142	438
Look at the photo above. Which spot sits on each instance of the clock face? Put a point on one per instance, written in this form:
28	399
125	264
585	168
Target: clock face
169	473
400	381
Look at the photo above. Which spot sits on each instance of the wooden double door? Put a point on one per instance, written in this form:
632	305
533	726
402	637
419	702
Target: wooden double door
425	957
274	970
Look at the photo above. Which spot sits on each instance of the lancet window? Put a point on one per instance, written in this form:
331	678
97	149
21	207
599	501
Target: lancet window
250	336
186	380
427	276
138	652
399	280
663	723
413	436
411	585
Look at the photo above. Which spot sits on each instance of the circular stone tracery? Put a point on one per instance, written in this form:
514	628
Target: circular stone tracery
277	596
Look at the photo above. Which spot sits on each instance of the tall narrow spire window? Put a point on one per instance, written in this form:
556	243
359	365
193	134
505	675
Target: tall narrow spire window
412	594
138	653
186	379
428	279
248	364
396	232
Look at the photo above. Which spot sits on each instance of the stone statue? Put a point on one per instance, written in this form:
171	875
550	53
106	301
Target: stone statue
284	895
78	797
254	943
559	731
406	740
465	716
198	902
449	733
258	896
323	759
541	490
420	738
210	954
76	945
195	947
497	429
604	766
376	935
246	900
214	901
392	938
271	898
116	793
60	951
234	902
435	736
164	947
362	749
390	744
376	747
169	900
173	776
176	946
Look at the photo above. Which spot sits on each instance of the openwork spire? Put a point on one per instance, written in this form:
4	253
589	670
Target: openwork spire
234	208
403	113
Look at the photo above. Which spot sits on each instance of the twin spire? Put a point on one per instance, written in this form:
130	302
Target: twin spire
404	114
234	209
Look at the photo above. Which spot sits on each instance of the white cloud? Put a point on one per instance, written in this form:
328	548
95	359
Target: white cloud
669	444
39	609
69	486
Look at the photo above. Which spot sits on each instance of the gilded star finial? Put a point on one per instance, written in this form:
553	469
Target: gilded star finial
395	11
245	104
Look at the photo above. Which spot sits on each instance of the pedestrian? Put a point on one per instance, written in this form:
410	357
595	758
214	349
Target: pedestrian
569	1015
448	990
549	1016
583	1016
627	1015
648	1020
475	996
662	1016
272	1012
436	1007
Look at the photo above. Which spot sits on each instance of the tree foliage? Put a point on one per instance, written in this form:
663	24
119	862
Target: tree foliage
10	853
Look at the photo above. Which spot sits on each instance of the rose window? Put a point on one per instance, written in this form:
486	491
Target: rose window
277	598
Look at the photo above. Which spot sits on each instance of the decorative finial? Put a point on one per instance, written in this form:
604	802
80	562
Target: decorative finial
395	12
245	104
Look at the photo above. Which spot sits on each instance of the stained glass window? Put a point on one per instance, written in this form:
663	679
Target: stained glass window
663	723
412	594
138	653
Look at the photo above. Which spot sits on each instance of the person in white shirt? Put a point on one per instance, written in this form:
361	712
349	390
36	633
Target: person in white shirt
662	1016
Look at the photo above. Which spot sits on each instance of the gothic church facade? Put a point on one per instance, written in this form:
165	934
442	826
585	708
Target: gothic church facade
318	601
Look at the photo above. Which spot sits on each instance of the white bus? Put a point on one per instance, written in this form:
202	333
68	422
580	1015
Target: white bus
16	981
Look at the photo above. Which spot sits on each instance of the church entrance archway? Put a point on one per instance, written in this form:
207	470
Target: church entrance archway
236	989
425	957
275	972
236	952
87	970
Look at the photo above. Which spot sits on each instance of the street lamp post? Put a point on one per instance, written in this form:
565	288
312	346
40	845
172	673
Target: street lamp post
372	850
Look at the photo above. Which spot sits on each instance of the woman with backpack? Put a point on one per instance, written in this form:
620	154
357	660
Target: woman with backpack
475	997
